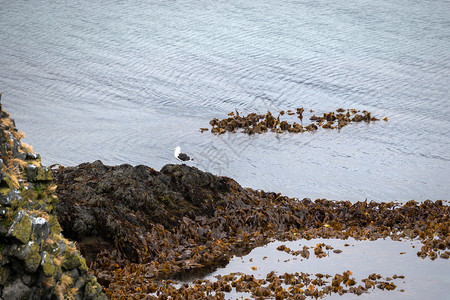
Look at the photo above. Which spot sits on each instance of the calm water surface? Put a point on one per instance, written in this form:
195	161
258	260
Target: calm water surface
424	278
127	81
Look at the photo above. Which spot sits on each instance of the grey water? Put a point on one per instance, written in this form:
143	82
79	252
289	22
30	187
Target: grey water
424	278
127	81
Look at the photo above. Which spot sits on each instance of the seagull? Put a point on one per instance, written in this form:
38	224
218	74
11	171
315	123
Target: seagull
181	156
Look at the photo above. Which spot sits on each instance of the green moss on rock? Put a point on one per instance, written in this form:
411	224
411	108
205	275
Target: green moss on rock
44	174
72	260
93	290
48	266
83	267
55	228
21	228
33	258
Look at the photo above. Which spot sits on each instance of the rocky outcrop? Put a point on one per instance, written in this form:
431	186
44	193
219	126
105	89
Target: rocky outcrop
37	262
114	207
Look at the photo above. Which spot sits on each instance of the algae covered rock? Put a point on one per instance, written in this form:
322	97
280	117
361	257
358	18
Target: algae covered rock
72	261
105	207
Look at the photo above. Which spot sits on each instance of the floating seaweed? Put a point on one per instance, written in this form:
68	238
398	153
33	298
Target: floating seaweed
254	123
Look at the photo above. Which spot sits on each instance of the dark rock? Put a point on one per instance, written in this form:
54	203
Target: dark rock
33	156
31	172
29	254
40	229
118	205
16	290
30	279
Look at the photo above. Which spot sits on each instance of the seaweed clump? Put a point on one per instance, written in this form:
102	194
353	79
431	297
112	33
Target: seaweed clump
255	123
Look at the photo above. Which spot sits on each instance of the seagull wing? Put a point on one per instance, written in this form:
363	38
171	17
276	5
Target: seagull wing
184	157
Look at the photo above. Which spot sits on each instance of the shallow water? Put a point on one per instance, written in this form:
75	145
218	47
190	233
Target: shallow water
424	278
126	82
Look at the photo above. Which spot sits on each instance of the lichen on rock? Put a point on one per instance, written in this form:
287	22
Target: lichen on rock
21	228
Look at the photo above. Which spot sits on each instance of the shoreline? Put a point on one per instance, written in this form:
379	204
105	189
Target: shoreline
136	229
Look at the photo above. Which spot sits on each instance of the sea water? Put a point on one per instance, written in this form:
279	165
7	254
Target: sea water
128	81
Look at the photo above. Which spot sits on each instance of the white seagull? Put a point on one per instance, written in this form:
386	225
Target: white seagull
181	156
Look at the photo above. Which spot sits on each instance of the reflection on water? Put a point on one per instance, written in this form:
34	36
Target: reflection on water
125	82
362	258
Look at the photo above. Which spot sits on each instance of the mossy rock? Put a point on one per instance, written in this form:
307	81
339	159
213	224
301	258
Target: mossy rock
48	266
83	267
29	193
21	228
44	174
33	259
4	191
29	254
72	261
55	228
93	290
8	195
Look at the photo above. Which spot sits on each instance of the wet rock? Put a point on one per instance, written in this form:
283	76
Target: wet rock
199	220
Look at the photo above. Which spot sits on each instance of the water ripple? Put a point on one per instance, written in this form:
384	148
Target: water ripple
127	82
